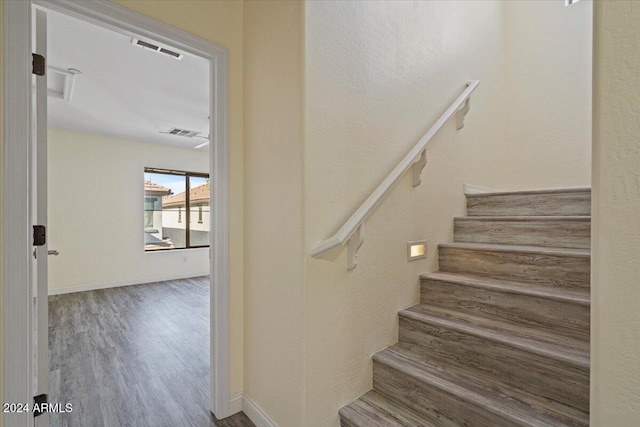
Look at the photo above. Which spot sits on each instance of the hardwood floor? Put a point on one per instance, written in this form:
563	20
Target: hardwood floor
133	356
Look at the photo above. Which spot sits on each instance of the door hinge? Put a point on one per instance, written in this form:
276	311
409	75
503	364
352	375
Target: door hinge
39	404
39	235
39	64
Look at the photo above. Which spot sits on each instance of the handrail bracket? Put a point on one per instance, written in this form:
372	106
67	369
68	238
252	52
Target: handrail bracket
353	244
418	165
462	113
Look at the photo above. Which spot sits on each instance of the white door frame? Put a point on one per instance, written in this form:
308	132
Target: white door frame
17	244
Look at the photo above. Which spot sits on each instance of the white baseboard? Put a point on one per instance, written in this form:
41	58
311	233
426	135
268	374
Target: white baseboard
235	403
254	412
139	281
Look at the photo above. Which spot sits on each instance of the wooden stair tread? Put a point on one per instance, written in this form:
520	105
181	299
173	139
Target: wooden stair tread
574	296
534	191
551	266
501	337
454	382
563	349
537	250
490	385
505	229
584	218
562	201
373	409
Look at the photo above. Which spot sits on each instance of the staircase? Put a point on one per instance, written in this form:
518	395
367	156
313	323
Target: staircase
501	334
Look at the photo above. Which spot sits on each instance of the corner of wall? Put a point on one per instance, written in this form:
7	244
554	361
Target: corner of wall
305	244
615	236
255	413
273	104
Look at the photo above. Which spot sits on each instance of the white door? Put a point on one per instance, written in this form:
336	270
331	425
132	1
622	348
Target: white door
39	218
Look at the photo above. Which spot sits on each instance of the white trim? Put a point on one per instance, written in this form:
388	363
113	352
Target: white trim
17	247
255	413
219	196
235	403
474	189
16	250
120	283
39	215
109	15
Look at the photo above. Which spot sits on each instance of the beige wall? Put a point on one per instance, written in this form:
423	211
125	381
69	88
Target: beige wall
547	94
274	252
219	22
96	200
378	76
615	296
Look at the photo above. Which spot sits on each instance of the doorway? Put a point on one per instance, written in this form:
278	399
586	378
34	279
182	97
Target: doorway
22	326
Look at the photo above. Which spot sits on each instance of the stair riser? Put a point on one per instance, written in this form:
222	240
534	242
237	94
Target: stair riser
515	367
548	269
347	423
432	402
548	204
548	315
549	233
359	414
404	418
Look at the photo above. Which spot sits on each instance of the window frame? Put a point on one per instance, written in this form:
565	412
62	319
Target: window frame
187	205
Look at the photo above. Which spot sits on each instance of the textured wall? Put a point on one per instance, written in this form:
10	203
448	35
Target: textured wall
615	301
274	283
548	92
378	76
96	200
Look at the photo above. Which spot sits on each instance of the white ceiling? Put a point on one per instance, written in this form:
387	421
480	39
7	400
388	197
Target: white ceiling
125	90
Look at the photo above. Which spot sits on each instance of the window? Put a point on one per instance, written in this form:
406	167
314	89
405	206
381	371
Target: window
168	197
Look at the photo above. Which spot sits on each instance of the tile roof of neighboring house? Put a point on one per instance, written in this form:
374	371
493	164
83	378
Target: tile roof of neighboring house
197	195
156	189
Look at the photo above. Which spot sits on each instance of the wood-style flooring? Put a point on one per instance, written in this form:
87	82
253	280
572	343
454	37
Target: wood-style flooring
133	356
501	335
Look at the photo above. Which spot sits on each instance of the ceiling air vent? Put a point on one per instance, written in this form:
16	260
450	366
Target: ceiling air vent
157	49
182	132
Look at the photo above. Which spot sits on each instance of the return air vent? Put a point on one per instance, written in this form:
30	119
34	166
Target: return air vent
182	132
60	82
146	45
